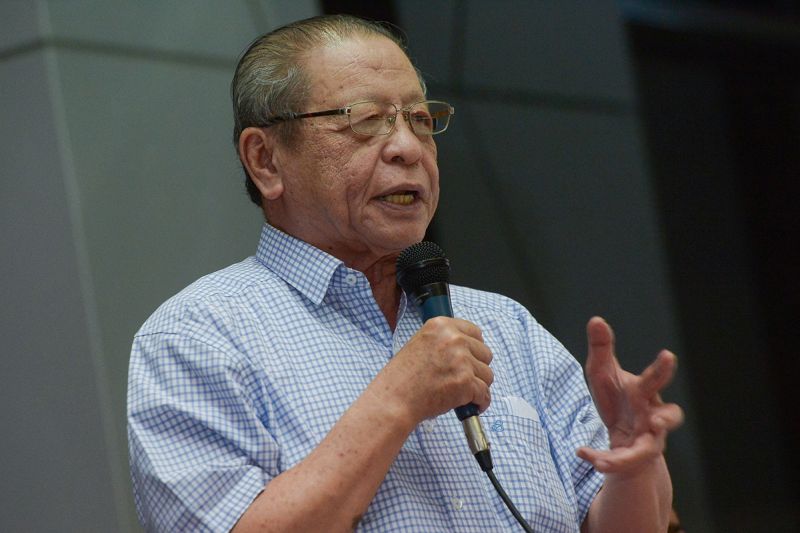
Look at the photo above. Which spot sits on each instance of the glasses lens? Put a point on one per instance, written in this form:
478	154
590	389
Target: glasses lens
372	118
429	118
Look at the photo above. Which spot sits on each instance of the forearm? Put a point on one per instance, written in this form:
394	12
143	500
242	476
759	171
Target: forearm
637	502
444	365
331	488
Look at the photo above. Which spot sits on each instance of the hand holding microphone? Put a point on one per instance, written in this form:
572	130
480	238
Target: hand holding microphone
443	366
423	272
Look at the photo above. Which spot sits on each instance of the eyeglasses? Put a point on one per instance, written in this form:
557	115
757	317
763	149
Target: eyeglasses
377	118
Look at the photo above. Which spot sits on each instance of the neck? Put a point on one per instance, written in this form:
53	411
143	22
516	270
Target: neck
382	278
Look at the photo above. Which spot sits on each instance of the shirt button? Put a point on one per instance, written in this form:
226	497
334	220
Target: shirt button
350	279
457	503
428	425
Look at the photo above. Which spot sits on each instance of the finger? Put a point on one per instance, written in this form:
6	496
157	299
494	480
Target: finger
456	334
480	351
666	417
482	396
463	326
644	448
483	372
658	374
601	344
467	327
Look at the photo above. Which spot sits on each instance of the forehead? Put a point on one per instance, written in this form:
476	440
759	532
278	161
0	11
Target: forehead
364	68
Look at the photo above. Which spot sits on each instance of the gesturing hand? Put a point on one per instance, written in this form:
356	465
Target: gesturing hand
631	407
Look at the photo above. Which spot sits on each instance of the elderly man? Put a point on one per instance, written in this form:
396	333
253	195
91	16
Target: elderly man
299	390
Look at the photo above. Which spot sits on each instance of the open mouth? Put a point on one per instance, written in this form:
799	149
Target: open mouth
399	198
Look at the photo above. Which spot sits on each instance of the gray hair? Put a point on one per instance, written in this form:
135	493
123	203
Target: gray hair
270	79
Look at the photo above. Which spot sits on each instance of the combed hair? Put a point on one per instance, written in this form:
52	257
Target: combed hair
270	78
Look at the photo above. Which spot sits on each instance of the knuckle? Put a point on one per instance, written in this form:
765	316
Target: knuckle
436	322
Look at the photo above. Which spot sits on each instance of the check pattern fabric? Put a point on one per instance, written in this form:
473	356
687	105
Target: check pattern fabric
241	375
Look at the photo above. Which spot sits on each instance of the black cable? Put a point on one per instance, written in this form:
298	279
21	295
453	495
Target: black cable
484	458
508	501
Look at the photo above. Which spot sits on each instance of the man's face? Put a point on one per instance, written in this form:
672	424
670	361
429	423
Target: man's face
361	198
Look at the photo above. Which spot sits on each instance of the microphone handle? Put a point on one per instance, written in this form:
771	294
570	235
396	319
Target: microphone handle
435	304
434	300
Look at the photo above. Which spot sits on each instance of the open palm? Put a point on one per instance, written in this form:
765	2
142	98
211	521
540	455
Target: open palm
638	421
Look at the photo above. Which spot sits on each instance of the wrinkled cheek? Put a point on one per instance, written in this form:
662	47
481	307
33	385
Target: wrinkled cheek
435	190
434	200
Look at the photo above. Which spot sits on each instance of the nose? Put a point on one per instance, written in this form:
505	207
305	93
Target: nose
403	145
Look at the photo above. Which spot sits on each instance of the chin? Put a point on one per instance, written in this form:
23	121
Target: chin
396	242
393	236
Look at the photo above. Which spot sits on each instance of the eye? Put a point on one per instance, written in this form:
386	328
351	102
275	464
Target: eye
422	121
421	116
371	118
368	113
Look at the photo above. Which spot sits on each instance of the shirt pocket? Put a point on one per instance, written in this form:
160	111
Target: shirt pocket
512	422
524	463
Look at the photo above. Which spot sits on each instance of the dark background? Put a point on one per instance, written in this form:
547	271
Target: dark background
734	145
718	98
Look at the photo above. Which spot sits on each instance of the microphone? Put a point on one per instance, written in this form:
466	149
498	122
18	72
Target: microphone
423	272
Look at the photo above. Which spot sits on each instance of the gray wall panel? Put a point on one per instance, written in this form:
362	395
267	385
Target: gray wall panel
213	28
20	23
573	185
120	186
573	49
432	32
161	192
56	474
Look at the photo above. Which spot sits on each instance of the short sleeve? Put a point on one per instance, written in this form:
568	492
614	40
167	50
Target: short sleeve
570	416
199	447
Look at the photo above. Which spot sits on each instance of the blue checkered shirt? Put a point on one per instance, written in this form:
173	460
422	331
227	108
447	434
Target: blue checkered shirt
241	375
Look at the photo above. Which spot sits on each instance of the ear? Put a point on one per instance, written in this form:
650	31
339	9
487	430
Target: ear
257	147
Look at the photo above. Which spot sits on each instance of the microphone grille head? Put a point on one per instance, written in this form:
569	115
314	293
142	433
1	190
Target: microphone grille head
421	264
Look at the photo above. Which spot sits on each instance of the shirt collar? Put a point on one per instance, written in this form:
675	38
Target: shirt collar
303	266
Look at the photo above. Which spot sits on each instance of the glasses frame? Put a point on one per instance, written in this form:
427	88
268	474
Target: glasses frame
347	110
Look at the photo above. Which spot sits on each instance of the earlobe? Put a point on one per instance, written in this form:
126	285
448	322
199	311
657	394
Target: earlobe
257	153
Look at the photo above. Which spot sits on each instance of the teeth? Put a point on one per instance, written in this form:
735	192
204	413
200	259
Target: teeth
402	199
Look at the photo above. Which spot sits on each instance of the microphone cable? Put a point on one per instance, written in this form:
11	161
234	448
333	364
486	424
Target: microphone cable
484	459
508	502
